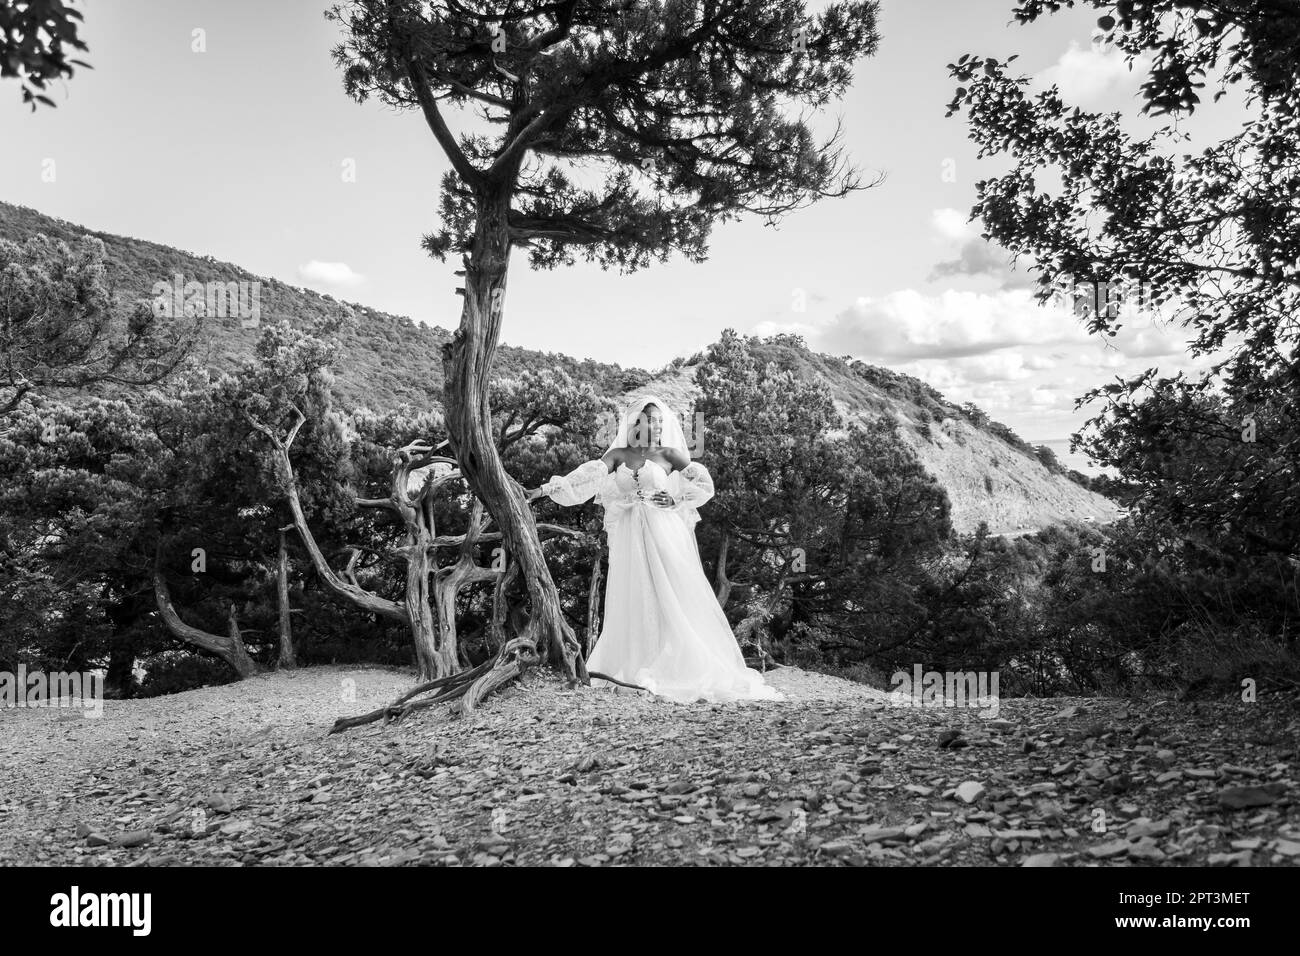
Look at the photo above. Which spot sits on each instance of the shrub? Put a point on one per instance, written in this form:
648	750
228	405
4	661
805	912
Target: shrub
174	671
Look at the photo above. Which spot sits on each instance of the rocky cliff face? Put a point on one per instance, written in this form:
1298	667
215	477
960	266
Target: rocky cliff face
987	480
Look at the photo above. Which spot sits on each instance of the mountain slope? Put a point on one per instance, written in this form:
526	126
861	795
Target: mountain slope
987	478
389	358
989	473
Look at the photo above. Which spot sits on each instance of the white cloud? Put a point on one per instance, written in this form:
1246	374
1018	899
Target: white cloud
1044	397
1087	74
1023	363
1002	366
997	367
978	257
951	223
1152	341
335	274
908	325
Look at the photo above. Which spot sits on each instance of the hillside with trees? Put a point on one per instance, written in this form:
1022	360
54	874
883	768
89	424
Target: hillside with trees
391	360
246	511
277	540
991	475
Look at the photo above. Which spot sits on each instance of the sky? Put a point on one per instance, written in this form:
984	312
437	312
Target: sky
221	127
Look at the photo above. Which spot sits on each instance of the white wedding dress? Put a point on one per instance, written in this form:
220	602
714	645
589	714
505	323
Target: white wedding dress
663	628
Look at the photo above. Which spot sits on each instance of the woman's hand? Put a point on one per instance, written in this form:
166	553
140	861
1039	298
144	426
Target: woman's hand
663	499
531	494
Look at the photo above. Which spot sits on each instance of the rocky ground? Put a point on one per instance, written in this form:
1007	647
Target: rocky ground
835	775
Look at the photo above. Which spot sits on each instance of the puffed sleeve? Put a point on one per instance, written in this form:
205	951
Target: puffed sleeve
695	486
578	485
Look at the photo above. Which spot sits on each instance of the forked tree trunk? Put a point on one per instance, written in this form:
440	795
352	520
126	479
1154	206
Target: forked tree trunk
430	592
413	610
467	361
449	582
465	571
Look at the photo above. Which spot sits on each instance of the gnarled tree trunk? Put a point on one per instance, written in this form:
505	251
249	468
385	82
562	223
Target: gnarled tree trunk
465	571
722	583
467	362
593	607
287	657
496	627
413	610
229	648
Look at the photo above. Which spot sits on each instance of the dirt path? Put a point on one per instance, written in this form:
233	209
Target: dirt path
245	774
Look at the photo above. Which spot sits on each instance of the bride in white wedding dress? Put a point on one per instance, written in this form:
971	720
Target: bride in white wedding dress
663	628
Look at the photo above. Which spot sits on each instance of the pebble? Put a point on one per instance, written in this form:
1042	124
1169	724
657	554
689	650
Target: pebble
1106	850
970	791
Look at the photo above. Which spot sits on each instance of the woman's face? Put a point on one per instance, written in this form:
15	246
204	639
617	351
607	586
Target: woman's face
647	428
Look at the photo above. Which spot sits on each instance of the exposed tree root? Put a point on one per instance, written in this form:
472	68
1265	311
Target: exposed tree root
618	682
470	686
448	687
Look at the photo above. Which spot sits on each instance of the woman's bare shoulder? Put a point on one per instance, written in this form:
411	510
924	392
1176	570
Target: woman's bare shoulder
677	457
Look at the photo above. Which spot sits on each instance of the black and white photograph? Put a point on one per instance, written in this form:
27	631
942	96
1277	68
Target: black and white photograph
641	434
